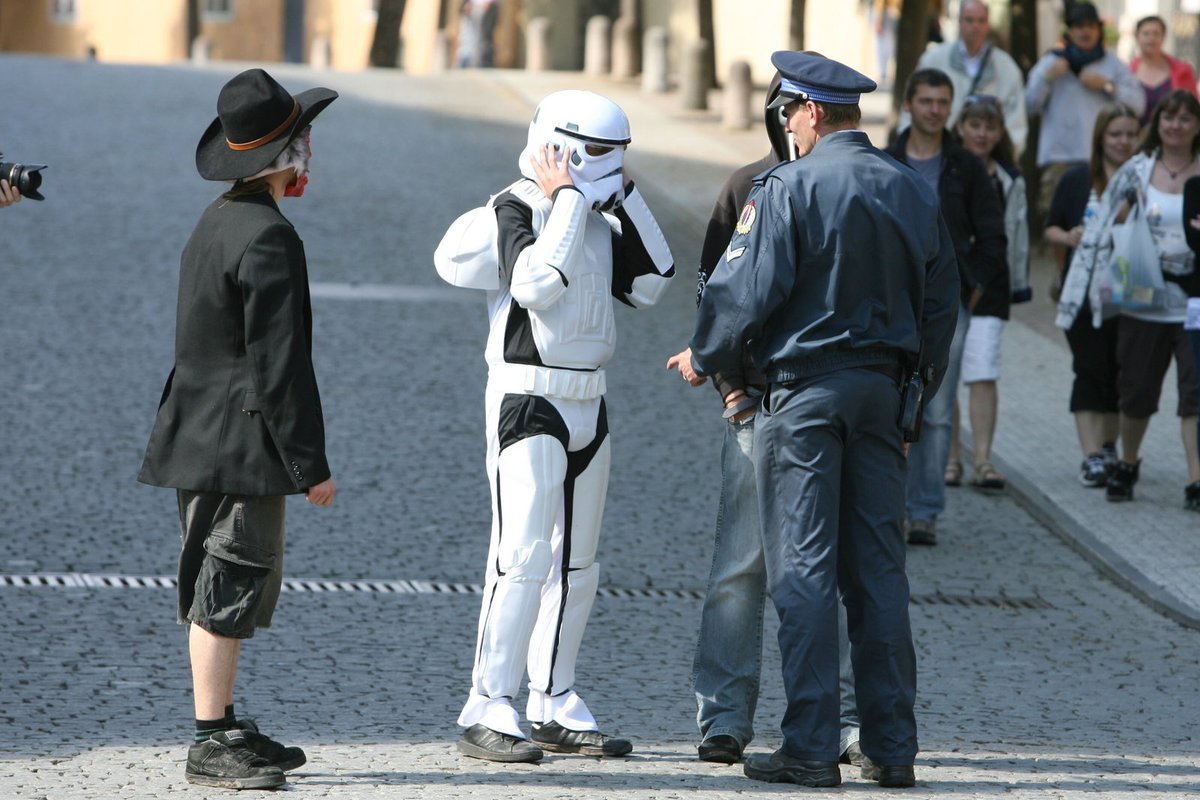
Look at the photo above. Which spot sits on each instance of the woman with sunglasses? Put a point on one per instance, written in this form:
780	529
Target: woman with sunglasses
980	125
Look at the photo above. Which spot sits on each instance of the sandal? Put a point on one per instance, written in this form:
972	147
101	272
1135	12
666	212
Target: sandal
954	474
986	477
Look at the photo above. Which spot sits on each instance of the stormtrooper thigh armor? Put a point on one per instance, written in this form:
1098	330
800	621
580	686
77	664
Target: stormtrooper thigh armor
548	461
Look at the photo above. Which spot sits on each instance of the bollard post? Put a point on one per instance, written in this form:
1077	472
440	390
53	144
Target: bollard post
737	96
654	60
624	48
537	45
596	46
440	60
694	79
201	50
319	55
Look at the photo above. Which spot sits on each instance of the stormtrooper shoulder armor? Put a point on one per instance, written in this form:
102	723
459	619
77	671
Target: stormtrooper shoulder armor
467	256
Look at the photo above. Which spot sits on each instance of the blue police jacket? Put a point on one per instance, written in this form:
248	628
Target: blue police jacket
838	259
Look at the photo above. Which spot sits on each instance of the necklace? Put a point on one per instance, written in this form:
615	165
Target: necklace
1174	173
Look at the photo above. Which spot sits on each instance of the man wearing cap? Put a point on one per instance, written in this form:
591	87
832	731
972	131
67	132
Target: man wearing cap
728	660
1067	87
839	273
239	425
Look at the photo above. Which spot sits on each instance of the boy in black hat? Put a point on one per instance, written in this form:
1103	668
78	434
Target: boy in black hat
239	425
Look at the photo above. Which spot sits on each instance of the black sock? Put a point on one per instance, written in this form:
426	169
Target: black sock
205	728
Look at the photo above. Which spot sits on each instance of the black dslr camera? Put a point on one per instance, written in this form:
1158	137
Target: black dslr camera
26	178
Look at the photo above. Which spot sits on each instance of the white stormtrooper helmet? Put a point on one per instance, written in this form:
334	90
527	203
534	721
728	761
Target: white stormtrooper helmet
596	130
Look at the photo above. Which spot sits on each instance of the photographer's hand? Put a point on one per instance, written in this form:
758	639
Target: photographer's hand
8	194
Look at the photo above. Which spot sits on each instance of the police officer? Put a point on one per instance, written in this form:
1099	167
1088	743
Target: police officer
839	273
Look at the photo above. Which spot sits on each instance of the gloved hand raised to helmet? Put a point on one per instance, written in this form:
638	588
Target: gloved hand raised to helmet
590	133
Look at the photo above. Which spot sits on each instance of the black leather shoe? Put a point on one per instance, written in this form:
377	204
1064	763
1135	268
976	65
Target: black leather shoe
274	753
480	741
557	739
720	749
895	776
226	762
779	767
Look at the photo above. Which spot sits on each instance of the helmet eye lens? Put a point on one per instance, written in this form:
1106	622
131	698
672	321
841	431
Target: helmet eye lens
597	150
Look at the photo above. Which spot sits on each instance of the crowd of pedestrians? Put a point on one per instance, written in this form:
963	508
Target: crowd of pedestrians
1094	112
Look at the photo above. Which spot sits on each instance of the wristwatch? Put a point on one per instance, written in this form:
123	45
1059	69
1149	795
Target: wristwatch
1111	88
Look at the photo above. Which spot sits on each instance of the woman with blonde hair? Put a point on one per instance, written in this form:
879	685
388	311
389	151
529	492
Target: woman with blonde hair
1093	349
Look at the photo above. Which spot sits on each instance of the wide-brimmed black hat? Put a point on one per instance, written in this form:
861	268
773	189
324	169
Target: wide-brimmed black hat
256	119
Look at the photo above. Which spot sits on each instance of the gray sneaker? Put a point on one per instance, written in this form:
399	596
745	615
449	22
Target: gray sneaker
922	531
227	762
1093	472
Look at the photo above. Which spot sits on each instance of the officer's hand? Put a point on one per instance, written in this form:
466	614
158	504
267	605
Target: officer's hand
683	363
552	169
322	494
8	194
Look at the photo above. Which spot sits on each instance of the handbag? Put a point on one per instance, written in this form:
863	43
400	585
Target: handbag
1134	278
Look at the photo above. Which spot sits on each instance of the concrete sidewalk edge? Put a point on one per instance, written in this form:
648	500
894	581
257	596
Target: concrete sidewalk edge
1097	553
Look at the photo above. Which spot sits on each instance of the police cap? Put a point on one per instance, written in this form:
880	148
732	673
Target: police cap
807	76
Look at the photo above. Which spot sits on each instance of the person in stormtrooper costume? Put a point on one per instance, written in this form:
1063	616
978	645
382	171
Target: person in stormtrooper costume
552	250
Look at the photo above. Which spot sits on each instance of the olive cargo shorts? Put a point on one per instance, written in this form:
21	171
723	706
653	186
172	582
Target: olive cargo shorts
231	564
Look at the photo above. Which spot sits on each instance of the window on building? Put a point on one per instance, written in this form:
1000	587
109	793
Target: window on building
64	10
218	10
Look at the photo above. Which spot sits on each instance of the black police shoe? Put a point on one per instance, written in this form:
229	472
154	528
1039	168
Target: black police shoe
480	741
557	739
720	749
227	762
894	776
275	754
779	767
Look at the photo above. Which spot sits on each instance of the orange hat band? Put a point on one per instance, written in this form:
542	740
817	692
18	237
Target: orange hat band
260	141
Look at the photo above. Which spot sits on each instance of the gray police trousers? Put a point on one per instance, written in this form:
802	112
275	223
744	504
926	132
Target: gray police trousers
831	475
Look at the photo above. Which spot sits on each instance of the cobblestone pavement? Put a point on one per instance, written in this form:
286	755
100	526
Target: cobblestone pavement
1040	678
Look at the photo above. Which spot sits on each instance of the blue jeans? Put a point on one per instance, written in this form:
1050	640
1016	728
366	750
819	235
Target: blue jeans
925	490
728	663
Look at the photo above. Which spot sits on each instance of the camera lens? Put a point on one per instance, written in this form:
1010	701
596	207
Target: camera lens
26	178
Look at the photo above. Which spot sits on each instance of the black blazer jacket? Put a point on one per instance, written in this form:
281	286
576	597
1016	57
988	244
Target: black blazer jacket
240	413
